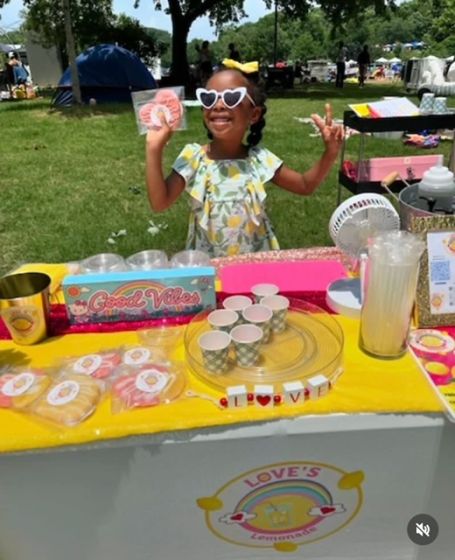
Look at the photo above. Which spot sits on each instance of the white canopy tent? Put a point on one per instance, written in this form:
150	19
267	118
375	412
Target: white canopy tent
381	60
6	48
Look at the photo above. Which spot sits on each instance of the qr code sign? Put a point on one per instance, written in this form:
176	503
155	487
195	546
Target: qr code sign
440	271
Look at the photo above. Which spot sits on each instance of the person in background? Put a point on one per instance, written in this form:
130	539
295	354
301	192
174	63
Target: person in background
363	60
298	71
341	64
19	71
9	72
233	52
205	62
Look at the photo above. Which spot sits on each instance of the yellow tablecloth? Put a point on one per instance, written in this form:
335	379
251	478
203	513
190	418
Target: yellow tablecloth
367	386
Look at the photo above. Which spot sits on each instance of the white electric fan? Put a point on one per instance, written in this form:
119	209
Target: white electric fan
353	222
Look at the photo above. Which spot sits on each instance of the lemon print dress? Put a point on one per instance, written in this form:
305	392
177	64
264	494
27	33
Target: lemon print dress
227	199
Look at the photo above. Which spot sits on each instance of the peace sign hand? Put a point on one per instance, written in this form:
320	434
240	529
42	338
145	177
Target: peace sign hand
332	134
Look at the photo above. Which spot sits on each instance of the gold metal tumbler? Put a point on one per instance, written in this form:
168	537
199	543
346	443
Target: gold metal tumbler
24	306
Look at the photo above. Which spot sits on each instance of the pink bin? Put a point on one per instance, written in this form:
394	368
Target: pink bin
409	167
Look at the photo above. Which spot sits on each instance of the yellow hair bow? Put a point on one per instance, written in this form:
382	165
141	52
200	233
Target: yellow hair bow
246	68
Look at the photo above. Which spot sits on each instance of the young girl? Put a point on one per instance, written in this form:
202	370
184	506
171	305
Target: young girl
225	178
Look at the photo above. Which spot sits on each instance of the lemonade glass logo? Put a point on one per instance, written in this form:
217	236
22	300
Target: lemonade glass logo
285	505
137	356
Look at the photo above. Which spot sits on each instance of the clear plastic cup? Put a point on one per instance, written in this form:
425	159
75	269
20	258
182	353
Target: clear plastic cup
147	260
190	258
103	262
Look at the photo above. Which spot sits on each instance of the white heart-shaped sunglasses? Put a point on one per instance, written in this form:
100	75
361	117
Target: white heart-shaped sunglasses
230	97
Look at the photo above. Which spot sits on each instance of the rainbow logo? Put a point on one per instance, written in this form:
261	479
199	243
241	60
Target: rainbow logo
278	507
129	288
284	506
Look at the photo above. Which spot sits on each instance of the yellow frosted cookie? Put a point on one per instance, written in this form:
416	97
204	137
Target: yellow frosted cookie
70	400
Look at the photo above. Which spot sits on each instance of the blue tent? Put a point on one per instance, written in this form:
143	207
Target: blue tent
107	73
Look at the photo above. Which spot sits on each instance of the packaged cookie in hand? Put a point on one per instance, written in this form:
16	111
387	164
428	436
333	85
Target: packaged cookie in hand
69	400
19	388
154	106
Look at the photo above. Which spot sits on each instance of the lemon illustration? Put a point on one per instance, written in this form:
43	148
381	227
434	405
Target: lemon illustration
351	480
233	172
234	221
285	546
22	324
211	503
233	250
436	368
431	341
436	301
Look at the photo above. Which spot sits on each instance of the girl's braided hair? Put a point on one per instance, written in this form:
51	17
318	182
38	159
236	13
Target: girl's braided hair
257	92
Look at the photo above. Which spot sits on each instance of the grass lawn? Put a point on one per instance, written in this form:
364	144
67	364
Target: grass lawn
68	179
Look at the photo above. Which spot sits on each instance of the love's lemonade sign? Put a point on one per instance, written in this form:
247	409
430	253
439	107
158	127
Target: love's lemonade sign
283	506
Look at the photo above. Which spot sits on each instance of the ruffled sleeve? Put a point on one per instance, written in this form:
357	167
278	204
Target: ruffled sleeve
187	162
265	163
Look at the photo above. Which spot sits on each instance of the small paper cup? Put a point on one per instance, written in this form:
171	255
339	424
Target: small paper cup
214	346
260	316
238	304
263	290
247	340
440	105
223	319
279	306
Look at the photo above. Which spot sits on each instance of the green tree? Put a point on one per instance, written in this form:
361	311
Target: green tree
130	34
45	18
184	12
440	36
15	37
92	23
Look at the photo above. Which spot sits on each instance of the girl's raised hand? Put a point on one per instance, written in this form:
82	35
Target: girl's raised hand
332	134
157	138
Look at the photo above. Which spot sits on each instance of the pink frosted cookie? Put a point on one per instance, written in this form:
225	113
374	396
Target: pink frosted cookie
166	103
5	399
143	387
99	366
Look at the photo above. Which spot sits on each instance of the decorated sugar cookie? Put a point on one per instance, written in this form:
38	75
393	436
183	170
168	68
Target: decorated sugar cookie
165	104
150	385
98	365
70	400
19	389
